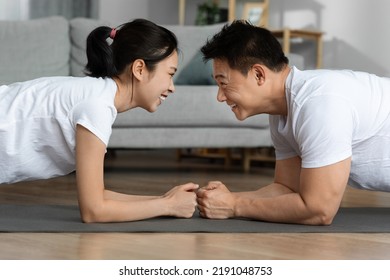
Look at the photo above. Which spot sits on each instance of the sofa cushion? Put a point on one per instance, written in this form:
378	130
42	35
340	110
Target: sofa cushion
79	31
189	137
33	48
196	72
191	38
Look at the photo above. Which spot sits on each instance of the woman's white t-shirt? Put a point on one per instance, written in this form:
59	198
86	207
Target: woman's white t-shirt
333	115
38	122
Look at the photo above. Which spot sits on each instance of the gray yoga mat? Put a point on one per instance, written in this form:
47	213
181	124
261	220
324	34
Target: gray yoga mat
59	218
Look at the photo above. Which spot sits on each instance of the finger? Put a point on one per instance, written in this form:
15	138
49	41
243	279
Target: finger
215	183
203	192
201	211
189	187
203	214
200	202
206	188
212	185
194	198
200	192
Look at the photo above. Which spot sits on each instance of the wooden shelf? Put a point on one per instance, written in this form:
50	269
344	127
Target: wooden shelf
287	34
228	155
231	10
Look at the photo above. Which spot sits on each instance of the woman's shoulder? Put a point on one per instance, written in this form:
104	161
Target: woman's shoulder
84	86
71	79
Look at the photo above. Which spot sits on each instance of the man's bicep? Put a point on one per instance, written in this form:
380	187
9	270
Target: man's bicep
324	187
287	173
324	131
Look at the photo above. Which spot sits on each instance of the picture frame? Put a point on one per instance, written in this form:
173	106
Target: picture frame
256	13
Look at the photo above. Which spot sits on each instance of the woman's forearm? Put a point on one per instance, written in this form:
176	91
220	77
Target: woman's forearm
111	195
110	210
116	207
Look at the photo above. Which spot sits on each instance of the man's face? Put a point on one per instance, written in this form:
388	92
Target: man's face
238	91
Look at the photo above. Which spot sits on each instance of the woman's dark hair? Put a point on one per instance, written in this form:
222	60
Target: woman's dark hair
242	45
138	39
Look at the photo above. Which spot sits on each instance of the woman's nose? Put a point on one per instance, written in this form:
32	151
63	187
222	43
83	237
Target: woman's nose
171	87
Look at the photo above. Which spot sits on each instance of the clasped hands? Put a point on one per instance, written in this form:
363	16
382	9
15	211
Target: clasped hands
214	201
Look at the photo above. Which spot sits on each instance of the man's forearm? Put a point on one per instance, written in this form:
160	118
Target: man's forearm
271	190
274	203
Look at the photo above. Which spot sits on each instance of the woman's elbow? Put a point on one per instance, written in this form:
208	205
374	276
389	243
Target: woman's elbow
91	215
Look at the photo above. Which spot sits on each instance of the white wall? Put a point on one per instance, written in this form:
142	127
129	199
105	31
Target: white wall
119	11
357	33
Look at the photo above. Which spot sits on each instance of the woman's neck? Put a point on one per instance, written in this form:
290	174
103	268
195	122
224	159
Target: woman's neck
124	94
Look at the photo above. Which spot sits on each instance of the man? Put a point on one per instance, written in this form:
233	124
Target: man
329	129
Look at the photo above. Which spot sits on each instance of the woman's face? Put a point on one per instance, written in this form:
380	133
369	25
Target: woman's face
158	84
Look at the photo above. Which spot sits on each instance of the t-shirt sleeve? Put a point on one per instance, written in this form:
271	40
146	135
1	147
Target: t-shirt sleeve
283	148
96	116
324	131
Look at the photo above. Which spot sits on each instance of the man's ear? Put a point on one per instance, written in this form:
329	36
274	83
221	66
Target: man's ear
258	73
138	69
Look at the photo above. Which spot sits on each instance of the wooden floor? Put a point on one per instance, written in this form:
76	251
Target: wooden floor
156	171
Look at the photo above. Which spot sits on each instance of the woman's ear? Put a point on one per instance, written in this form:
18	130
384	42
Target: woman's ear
138	69
258	72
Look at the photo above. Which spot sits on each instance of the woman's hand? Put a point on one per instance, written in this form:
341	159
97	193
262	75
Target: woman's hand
215	201
182	200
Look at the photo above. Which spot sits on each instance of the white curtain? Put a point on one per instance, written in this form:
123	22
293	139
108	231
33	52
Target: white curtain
14	9
29	9
67	8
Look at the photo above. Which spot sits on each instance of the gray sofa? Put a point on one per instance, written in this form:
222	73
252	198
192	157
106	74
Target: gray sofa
190	118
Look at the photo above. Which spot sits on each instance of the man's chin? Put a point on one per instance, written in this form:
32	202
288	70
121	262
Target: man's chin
240	116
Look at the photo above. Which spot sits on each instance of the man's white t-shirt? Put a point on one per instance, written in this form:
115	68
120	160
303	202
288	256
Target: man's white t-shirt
333	115
38	122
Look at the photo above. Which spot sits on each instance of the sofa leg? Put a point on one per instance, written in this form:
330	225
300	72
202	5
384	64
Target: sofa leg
228	157
178	155
111	153
246	159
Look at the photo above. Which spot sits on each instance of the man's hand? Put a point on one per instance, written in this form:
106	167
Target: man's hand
215	201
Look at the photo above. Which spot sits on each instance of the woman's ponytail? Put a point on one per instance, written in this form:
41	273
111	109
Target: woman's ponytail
100	54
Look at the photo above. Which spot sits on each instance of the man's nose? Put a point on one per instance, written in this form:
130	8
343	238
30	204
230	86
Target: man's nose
221	96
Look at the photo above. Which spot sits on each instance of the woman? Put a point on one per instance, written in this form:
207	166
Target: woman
52	126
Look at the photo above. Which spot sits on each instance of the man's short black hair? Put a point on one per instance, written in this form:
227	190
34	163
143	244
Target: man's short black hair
242	45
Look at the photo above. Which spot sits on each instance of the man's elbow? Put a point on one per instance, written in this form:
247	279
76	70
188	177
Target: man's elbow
324	219
322	216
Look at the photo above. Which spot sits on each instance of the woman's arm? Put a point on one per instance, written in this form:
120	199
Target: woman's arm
100	205
125	197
